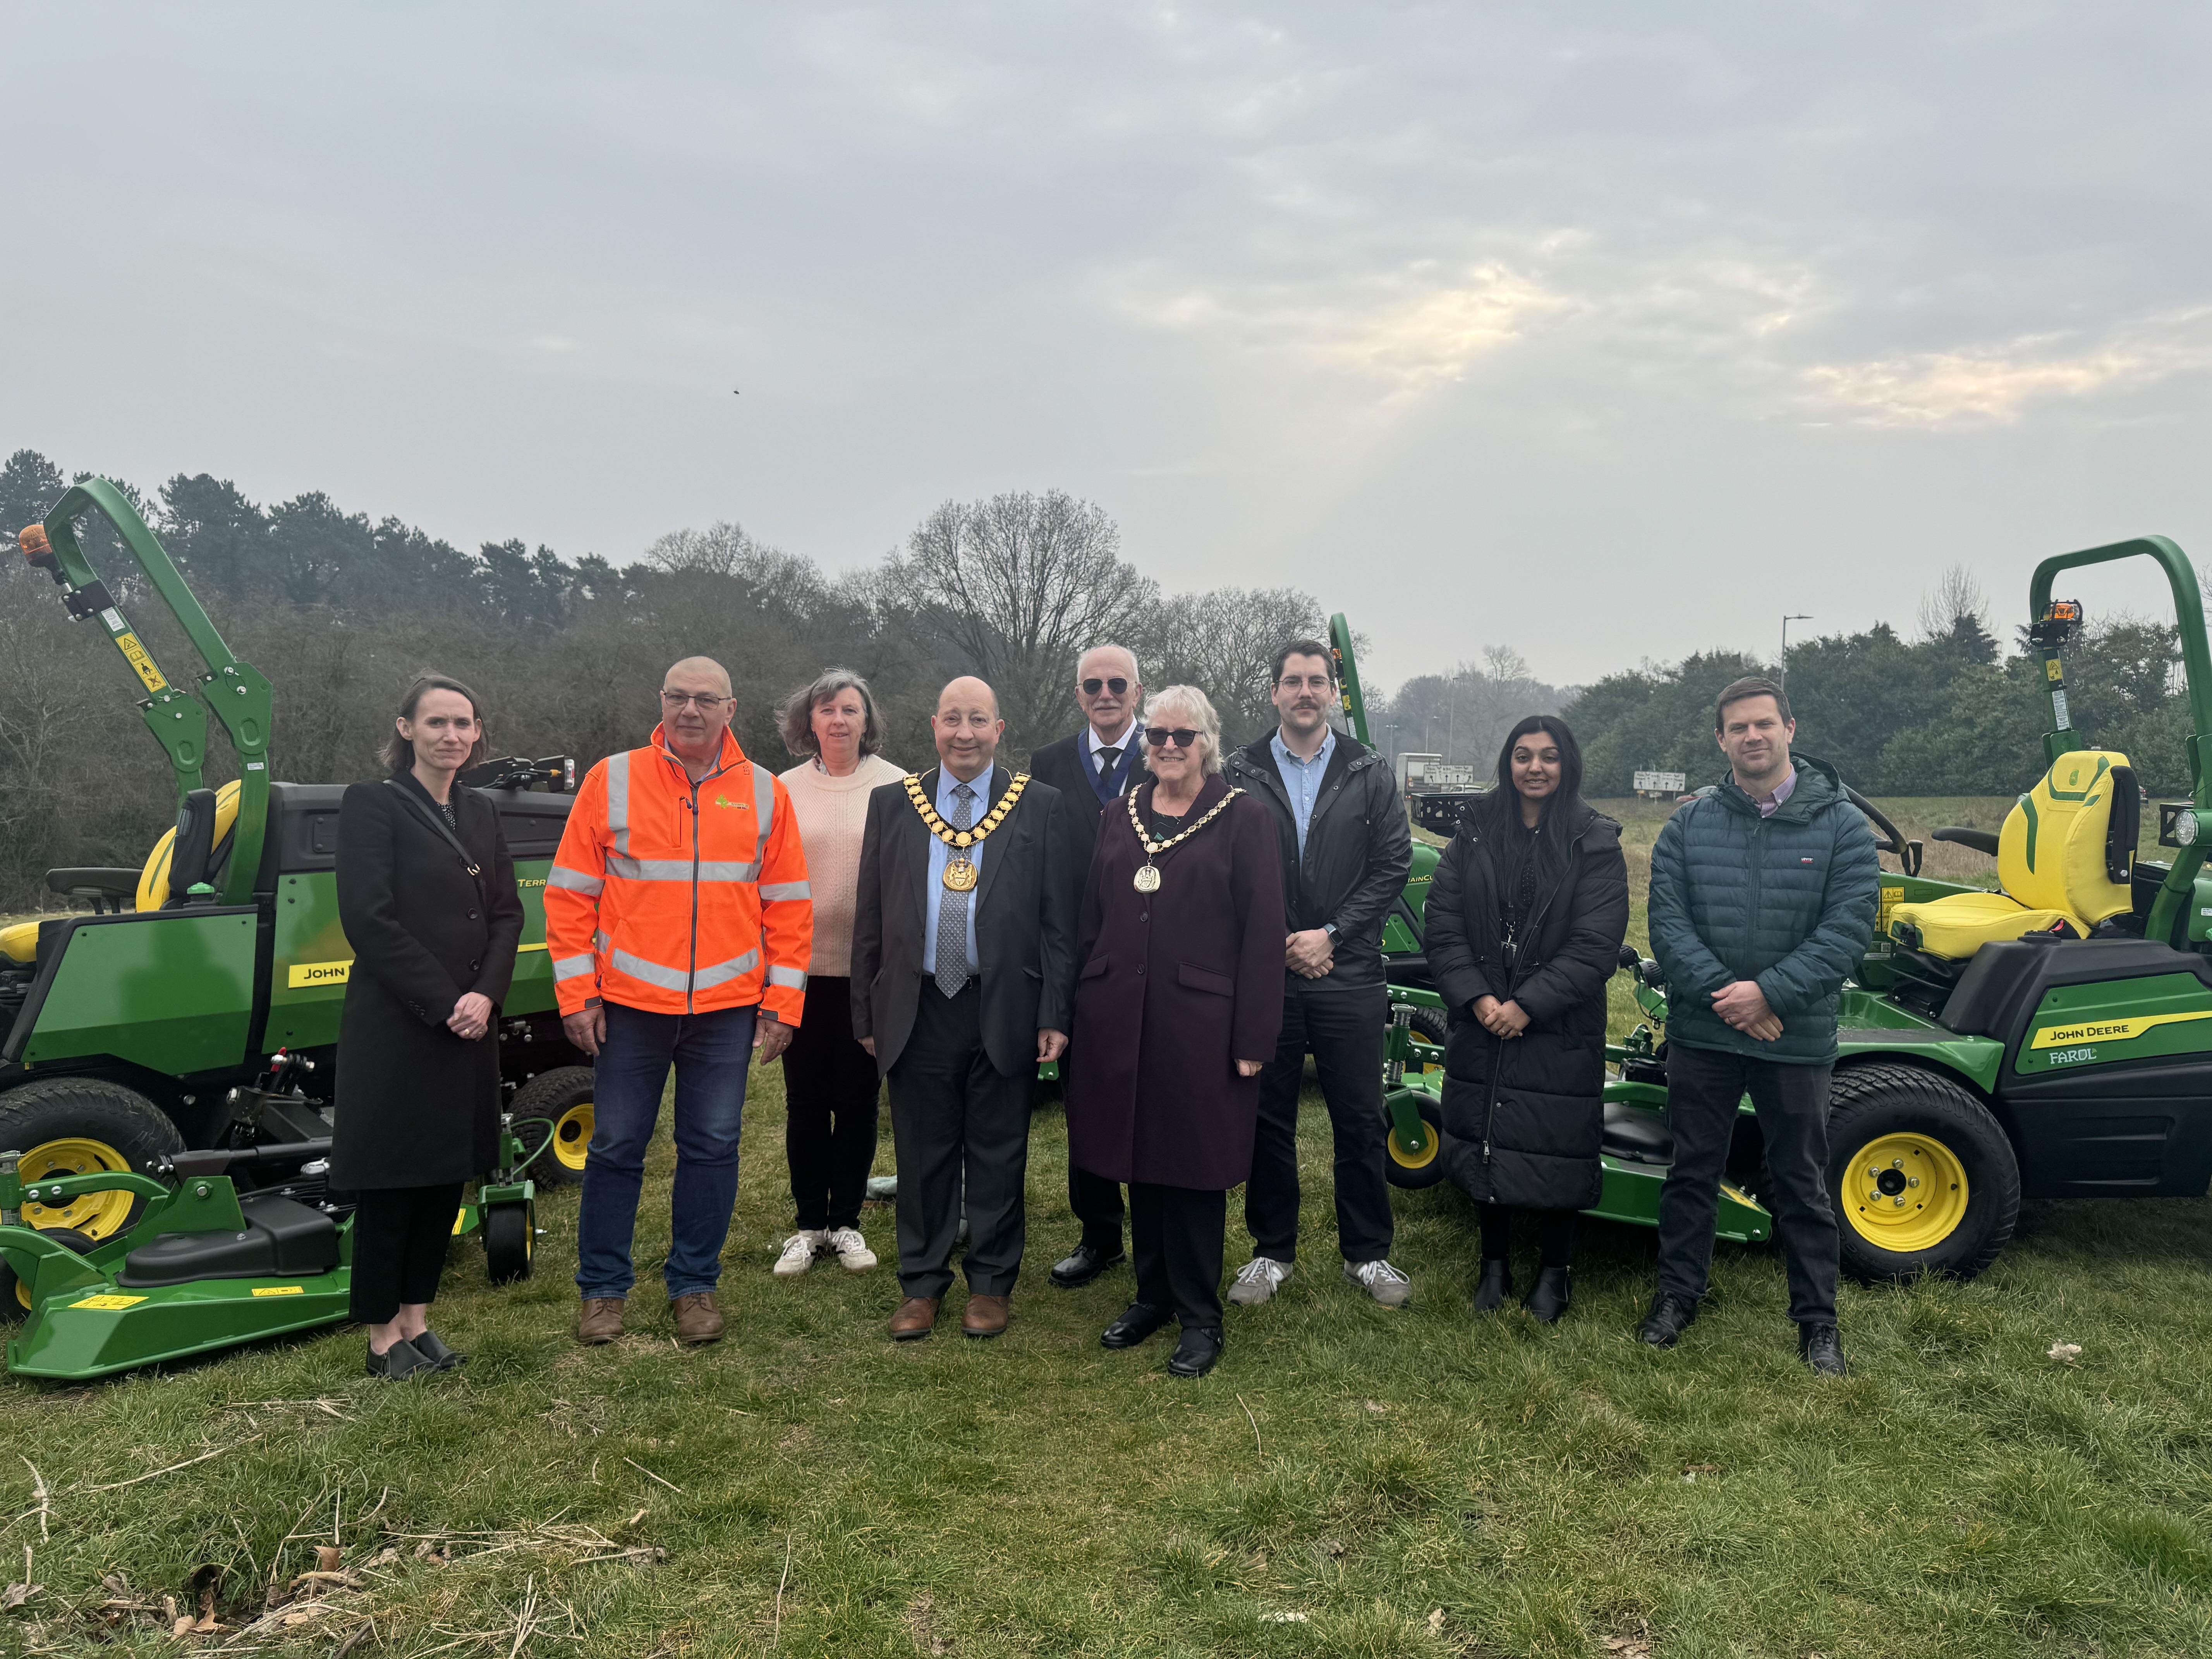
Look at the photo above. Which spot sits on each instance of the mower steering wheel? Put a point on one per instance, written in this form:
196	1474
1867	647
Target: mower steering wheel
1893	840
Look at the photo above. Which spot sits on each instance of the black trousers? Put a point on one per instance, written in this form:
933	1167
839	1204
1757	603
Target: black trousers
955	1115
829	1089
1343	1030
1176	1238
1704	1086
1096	1202
1554	1228
399	1237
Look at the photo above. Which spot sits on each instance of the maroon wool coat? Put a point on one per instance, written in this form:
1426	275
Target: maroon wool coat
1171	990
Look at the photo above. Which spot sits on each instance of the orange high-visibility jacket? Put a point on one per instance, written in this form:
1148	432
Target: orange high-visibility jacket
677	898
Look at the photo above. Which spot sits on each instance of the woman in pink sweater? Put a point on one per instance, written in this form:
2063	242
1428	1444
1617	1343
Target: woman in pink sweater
830	1082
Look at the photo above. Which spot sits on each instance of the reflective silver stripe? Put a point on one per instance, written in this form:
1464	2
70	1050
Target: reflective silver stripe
791	976
668	979
772	890
618	799
723	972
629	869
763	811
574	881
570	967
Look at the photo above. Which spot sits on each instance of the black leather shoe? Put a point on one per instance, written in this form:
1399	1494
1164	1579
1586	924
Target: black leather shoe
1138	1321
432	1349
400	1360
1822	1347
1548	1300
1199	1351
1494	1286
1669	1317
1072	1272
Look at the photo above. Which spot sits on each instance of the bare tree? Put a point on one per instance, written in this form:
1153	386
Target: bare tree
1224	642
1957	593
1017	585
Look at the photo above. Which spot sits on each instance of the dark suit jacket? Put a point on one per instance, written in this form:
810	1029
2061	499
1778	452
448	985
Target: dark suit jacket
1066	766
1024	931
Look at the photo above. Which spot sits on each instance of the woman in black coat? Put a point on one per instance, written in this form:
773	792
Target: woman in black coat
427	896
1178	1001
1526	916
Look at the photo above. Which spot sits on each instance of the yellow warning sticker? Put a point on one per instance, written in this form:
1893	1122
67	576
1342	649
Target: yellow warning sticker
320	973
2110	1031
279	1290
1890	898
139	659
109	1302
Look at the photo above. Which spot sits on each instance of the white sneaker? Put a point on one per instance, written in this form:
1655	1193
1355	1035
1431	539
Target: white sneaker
850	1247
798	1252
1382	1281
1257	1280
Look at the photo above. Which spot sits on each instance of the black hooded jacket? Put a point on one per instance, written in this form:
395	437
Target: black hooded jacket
1526	1113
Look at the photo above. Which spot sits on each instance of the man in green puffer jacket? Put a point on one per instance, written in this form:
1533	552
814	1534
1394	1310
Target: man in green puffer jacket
1763	898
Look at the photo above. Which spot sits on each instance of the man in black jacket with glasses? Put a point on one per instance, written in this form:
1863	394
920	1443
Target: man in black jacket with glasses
1346	850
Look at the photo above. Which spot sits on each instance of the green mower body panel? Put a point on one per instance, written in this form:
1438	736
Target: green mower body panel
170	991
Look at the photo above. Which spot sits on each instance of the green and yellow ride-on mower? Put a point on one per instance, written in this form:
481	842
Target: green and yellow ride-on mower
195	1009
2050	1038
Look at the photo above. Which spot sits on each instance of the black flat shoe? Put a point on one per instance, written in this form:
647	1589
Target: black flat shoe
1548	1300
1669	1317
1138	1321
429	1346
1199	1351
400	1360
1494	1286
1822	1348
1072	1272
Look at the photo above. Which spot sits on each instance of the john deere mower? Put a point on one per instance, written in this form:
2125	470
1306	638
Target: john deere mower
2050	1038
167	1069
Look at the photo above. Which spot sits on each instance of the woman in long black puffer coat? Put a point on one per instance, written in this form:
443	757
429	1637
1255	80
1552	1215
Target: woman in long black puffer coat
1526	917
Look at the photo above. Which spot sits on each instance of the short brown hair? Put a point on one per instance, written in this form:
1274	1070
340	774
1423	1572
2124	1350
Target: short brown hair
797	713
399	754
1303	649
1751	685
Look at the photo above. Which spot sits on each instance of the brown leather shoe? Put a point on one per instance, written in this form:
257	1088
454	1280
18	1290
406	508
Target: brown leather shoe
915	1318
601	1320
986	1316
697	1319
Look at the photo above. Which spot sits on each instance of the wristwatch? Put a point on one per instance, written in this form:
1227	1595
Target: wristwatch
1329	927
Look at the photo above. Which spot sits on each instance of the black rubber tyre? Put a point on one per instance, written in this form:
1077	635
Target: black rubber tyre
130	1130
562	1096
14	1300
1427	1174
1432	1025
510	1241
1900	1132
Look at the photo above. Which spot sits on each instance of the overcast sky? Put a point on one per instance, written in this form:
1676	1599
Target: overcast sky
1602	331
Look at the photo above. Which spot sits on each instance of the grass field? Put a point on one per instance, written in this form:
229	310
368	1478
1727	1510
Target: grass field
1351	1481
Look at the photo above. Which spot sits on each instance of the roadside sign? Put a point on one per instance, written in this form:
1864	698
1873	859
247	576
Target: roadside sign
1661	783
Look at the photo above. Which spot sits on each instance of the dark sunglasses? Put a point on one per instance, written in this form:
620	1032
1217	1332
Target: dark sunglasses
1117	685
1159	736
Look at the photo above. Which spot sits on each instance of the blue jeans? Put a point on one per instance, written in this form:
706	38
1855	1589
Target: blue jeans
711	1053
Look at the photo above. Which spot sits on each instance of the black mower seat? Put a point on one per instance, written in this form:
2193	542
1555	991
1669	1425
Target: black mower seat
1638	1136
283	1239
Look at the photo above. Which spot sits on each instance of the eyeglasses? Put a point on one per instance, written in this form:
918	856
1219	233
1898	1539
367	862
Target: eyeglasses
1117	685
1159	736
706	701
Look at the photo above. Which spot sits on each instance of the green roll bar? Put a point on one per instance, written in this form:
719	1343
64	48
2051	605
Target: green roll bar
237	691
1347	677
2175	892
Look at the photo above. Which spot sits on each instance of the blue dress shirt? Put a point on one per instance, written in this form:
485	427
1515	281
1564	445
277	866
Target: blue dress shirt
987	794
1302	778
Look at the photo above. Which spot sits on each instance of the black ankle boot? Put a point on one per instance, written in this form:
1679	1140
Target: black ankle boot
1494	1286
1548	1300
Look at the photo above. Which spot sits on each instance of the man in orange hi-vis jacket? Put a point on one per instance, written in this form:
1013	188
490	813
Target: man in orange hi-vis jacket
678	921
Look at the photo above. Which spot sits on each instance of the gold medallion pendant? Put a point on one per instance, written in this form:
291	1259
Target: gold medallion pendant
960	875
1148	879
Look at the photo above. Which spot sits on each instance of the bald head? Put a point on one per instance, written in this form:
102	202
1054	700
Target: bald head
692	727
697	674
967	727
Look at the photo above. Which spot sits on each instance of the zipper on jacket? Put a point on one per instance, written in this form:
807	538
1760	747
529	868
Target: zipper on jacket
691	969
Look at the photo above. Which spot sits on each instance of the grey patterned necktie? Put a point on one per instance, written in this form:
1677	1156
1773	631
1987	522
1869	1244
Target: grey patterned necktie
952	908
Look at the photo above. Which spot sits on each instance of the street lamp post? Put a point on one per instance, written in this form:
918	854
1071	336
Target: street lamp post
1803	615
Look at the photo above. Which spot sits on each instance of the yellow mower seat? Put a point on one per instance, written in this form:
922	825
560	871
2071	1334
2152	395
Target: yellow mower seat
20	944
2066	855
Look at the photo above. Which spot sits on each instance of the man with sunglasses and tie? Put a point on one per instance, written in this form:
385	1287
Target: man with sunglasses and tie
678	922
1092	770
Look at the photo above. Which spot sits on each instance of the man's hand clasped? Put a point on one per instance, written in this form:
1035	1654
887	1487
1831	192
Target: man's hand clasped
1311	954
1743	1005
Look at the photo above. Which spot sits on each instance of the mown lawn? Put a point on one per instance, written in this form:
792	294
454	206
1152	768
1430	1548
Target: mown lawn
1351	1481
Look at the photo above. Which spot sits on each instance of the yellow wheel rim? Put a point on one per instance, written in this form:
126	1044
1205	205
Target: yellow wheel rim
1904	1193
572	1135
1407	1157
98	1216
